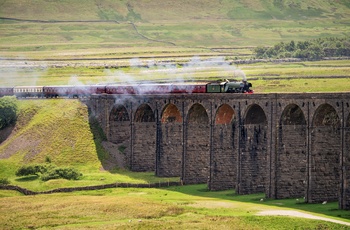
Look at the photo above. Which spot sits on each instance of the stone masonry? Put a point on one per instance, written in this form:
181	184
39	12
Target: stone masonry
285	145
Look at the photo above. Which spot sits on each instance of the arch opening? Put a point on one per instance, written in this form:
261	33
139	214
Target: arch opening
197	115
326	115
255	115
253	142
197	156
291	158
170	137
144	134
119	121
224	115
144	114
119	113
325	154
171	114
224	158
293	115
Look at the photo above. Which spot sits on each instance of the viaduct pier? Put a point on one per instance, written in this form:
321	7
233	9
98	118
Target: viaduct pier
285	145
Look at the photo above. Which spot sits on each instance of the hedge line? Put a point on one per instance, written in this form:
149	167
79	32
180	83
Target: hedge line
315	49
88	188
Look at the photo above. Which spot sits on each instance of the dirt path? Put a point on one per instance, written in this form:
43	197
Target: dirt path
299	214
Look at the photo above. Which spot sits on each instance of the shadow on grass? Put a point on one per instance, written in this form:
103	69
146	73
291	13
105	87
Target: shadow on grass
329	209
27	178
5	133
99	137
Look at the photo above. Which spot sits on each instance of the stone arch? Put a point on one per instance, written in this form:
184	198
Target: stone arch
197	155
254	147
326	115
197	114
119	113
119	121
144	113
144	139
255	115
171	139
224	159
171	114
224	115
292	115
325	155
291	173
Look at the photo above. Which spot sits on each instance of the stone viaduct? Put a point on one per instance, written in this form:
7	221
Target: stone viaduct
285	145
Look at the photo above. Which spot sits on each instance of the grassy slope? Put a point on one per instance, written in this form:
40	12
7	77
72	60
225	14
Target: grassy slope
55	128
184	23
59	130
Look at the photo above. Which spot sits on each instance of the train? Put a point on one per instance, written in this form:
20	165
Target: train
81	91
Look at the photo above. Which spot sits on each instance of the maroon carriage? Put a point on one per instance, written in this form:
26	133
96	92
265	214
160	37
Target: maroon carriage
154	88
121	89
6	91
58	91
188	88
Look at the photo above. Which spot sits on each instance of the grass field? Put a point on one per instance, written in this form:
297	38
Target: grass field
187	207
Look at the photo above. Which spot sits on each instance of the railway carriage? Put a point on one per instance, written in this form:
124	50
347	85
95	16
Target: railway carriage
28	91
73	91
189	88
87	90
58	91
6	91
121	89
154	88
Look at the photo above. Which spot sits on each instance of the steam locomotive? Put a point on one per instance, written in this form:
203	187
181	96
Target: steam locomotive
80	91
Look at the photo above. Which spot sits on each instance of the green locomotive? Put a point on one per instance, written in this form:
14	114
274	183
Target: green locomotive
229	87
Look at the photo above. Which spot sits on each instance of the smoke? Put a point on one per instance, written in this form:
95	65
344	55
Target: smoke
239	74
21	73
176	71
135	63
148	72
215	64
74	80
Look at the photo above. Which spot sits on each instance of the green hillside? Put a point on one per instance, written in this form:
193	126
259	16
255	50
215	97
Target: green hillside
153	11
59	131
50	129
113	29
42	133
